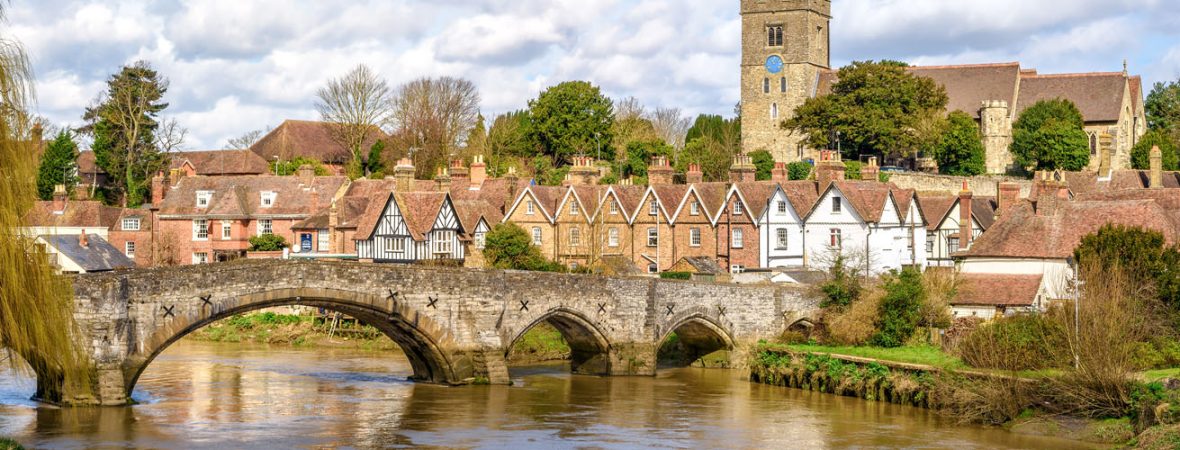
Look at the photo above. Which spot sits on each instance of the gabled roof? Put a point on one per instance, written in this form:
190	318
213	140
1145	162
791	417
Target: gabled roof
349	212
589	200
548	199
937	208
367	223
629	197
87	164
671	197
756	196
1099	96
420	210
713	195
868	198
968	86
997	290
97	256
300	138
470	212
222	162
640	209
77	213
801	194
241	196
904	197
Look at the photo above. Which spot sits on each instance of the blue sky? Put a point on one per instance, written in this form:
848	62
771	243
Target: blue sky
238	65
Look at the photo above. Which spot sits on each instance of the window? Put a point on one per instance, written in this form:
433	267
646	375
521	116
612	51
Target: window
227	230
323	241
653	237
774	110
268	199
480	240
952	244
782	206
443	241
652	268
131	224
836	205
782	239
766	85
537	236
575	237
694	237
694	208
737	208
265	226
836	240
200	258
395	245
930	237
612	237
774	36
129	249
782	82
614	208
530	208
654	208
573	208
200	230
203	198
738	238
1093	144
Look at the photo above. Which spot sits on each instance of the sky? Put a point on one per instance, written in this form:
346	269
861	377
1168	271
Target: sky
242	65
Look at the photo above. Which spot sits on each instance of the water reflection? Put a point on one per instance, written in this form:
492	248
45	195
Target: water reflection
231	396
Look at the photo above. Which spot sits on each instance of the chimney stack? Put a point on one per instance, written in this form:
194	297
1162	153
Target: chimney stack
1051	192
83	240
479	171
780	174
1157	168
829	169
59	199
403	174
742	170
1008	193
583	172
333	223
306	175
694	174
460	176
966	233
158	189
442	180
870	171
659	172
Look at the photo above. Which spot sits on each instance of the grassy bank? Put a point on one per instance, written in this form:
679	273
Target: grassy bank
9	444
540	343
927	355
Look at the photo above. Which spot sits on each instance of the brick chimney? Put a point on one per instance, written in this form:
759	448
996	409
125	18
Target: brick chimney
479	170
442	180
659	172
83	240
59	199
829	168
306	175
333	223
583	172
158	189
780	174
460	176
870	171
403	173
742	170
1157	168
966	235
1008	193
694	174
1051	192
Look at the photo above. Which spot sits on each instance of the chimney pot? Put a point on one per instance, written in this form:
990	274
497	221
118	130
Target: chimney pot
59	198
84	241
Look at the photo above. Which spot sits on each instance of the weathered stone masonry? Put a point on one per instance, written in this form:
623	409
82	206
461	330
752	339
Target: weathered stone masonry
455	325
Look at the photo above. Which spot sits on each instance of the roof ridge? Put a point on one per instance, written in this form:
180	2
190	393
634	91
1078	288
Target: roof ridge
962	66
1075	75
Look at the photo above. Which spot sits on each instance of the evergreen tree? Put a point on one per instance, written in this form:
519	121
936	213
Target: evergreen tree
764	162
1141	153
1162	107
569	118
59	165
960	150
1049	135
375	163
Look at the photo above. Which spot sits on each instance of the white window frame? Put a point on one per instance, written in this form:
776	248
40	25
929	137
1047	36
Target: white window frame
612	237
836	238
653	237
131	224
694	208
530	208
782	206
537	236
268	198
575	236
738	239
737	208
694	237
204	198
443	241
323	242
654	208
783	239
614	208
573	208
837	206
266	226
200	258
129	249
227	230
396	246
200	229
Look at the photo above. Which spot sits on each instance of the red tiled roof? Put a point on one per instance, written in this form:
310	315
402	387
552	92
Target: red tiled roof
241	196
299	138
712	196
87	163
935	208
997	290
757	196
868	198
420	211
629	197
670	196
802	195
367	223
1088	182
77	213
222	162
1099	96
470	211
590	197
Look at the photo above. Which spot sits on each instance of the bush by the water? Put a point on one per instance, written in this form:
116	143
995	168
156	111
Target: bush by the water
901	308
1023	342
9	444
855	324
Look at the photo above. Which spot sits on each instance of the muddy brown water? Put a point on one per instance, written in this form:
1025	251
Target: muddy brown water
207	395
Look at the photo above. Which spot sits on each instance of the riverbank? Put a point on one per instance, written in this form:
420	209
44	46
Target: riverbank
9	444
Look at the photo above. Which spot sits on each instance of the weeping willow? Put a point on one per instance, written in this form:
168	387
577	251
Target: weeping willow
36	319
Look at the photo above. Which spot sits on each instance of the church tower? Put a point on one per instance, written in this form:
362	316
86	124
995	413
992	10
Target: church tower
785	45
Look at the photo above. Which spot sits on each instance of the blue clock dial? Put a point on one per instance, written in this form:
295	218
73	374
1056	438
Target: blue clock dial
774	64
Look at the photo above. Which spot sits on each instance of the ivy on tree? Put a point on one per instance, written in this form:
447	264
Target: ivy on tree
1049	135
59	165
960	149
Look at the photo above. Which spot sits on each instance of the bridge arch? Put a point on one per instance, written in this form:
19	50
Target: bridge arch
423	342
698	334
589	347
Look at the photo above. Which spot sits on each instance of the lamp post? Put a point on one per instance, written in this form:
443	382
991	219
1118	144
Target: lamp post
277	165
1077	299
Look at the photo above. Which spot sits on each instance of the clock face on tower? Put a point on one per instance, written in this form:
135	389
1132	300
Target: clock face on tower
774	64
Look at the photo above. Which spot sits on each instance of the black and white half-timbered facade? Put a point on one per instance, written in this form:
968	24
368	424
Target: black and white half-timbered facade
410	227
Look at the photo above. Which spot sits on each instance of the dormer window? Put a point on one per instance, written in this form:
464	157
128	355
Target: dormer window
268	199
203	198
130	224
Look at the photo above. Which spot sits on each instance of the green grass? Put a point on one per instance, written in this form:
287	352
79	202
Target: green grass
1156	375
925	355
541	340
9	444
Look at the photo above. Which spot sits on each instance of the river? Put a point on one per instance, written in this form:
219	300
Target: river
202	395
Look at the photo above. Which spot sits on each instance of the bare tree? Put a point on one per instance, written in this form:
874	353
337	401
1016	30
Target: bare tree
169	136
671	124
247	140
433	116
629	108
357	104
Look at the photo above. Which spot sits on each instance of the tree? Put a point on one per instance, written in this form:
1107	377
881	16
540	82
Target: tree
1141	254
712	142
1141	153
508	246
124	123
431	116
1162	107
567	119
843	285
374	164
626	130
671	125
764	162
59	165
1049	136
798	171
960	150
291	166
356	105
901	308
267	243
246	140
876	107
639	155
508	142
169	136
477	140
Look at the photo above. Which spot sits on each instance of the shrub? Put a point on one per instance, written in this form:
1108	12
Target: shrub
856	324
676	275
798	171
508	246
1026	342
843	285
852	170
900	309
267	243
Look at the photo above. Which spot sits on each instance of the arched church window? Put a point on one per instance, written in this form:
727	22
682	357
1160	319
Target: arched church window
1093	144
774	110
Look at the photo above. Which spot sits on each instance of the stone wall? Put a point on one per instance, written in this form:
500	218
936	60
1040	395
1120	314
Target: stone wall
455	325
982	185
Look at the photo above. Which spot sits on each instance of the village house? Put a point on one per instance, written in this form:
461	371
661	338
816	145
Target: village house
219	163
945	233
411	227
533	210
782	221
126	229
82	253
694	230
311	141
617	249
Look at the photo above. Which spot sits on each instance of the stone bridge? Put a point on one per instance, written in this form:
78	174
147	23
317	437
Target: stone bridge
456	326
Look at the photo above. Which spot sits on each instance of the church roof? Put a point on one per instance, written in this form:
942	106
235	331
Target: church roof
1099	96
968	86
